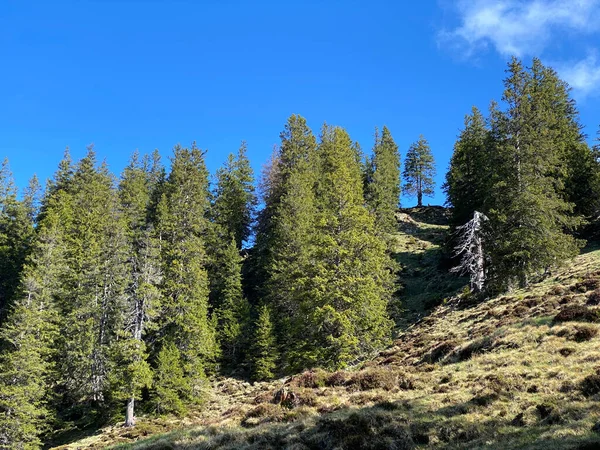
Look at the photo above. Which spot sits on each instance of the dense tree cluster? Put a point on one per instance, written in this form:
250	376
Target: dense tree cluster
126	295
528	169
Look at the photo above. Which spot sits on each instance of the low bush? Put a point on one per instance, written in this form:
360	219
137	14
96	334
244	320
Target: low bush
374	379
590	385
577	313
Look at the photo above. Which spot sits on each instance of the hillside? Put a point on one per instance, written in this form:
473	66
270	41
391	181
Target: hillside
518	371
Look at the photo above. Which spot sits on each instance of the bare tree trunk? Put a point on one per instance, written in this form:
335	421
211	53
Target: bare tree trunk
129	417
420	198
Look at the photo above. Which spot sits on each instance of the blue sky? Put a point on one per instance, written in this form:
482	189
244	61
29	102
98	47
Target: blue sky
128	75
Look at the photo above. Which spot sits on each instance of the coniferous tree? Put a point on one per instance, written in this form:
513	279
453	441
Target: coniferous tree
16	234
419	171
263	356
527	211
383	183
182	226
235	200
467	180
350	286
142	295
171	385
233	310
28	339
94	285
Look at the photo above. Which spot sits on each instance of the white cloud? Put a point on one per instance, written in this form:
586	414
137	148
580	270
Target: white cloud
519	27
583	76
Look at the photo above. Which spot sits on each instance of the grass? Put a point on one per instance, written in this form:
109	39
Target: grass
504	373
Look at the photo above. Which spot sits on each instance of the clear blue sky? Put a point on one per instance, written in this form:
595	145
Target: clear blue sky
141	75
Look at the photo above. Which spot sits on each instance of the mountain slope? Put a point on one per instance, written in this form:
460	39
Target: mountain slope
518	371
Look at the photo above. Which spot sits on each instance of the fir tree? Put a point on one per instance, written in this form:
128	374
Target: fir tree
235	201
171	386
16	234
467	180
527	212
29	336
233	310
350	285
263	356
419	171
142	295
383	184
182	226
96	252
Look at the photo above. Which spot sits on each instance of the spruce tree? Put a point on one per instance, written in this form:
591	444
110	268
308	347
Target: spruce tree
182	226
350	282
29	336
142	296
235	200
94	285
263	356
171	386
383	183
528	214
419	171
233	310
16	234
467	180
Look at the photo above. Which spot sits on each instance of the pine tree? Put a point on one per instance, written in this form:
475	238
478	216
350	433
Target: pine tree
94	285
142	295
285	239
29	336
419	171
182	224
263	355
171	386
233	310
16	234
527	212
235	201
350	284
467	180
383	184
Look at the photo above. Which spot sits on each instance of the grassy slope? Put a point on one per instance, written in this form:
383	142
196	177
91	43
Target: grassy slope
500	374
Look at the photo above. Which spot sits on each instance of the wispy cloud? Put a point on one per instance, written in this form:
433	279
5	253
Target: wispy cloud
528	28
517	27
583	76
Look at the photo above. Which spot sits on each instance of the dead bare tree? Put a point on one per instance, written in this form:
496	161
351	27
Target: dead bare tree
470	248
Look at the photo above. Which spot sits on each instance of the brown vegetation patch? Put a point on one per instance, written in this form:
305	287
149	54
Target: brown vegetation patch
593	298
590	385
374	379
577	313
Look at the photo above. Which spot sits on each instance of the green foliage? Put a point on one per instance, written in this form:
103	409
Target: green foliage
171	386
419	171
28	338
527	212
93	284
468	177
16	234
263	356
182	225
234	203
233	310
382	190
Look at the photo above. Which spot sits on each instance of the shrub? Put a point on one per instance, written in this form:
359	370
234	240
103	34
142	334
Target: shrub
374	379
590	385
311	379
585	332
338	378
594	298
579	313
